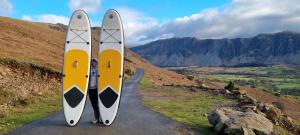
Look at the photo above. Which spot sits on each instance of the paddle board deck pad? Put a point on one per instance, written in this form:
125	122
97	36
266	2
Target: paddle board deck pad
110	66
76	66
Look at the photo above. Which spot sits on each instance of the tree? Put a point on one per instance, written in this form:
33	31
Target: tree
230	86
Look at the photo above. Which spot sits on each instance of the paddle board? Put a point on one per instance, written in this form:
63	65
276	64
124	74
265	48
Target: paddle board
110	66
76	66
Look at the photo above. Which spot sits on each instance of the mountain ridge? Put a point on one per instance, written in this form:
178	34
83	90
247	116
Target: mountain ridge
263	49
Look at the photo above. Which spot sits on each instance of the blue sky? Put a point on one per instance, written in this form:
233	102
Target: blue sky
159	9
148	20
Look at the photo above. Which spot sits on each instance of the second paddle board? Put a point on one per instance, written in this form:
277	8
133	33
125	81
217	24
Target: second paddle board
110	66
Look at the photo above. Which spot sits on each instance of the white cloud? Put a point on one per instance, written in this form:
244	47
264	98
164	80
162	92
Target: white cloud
5	6
26	18
90	6
47	18
239	18
50	18
136	24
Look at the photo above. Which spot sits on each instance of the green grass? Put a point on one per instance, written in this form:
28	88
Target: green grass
182	105
23	115
248	70
280	131
222	77
144	83
289	85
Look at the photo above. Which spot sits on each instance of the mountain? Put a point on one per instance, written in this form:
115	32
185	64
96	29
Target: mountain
263	49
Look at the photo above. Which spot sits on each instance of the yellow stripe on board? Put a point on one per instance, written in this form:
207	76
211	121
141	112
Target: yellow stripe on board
75	69
109	69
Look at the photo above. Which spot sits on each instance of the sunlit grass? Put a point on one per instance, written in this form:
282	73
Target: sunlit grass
189	108
144	83
22	115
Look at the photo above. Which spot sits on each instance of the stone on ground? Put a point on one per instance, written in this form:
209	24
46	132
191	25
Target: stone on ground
228	121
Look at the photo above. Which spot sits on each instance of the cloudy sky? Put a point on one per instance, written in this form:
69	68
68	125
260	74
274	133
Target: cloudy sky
149	20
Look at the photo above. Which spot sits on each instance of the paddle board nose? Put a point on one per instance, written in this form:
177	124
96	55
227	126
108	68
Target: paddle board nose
112	17
79	20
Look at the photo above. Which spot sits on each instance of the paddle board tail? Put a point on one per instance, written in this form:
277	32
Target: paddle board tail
76	66
110	66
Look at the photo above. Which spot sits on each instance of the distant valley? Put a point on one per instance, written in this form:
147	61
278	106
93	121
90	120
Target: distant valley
261	50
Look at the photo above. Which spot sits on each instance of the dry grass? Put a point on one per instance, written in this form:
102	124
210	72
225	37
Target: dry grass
154	74
290	107
27	92
38	43
33	43
24	84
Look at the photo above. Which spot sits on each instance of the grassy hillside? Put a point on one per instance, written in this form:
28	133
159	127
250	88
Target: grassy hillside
27	92
43	44
32	43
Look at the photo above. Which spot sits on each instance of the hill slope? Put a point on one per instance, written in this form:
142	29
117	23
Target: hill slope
264	49
43	44
31	43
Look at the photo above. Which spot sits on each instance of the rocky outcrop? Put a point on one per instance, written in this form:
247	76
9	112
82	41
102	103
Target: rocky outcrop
233	122
248	112
264	49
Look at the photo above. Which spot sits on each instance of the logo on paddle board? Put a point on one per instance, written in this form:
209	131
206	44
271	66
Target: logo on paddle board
111	16
79	16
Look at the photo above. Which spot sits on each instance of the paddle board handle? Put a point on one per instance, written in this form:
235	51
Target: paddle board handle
109	64
75	64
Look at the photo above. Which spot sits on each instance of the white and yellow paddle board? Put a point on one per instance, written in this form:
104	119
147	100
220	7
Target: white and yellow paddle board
76	66
110	66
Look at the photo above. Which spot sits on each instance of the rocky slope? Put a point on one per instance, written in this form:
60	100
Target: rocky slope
264	49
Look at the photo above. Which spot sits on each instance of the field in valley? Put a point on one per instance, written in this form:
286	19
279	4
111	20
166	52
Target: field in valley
280	79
